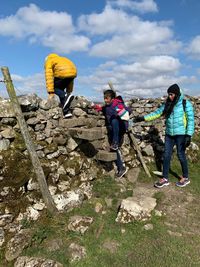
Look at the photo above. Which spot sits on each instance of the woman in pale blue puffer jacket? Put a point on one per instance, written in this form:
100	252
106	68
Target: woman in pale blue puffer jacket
180	121
179	117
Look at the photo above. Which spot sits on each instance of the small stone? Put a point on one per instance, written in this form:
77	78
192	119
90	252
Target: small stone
123	230
148	226
98	207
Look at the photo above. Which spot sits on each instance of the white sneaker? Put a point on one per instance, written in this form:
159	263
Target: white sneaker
68	115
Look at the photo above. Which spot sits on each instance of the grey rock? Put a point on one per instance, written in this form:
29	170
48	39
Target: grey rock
87	134
79	224
6	219
4	144
76	252
8	133
106	156
36	262
48	104
148	151
6	109
29	102
135	208
133	174
16	245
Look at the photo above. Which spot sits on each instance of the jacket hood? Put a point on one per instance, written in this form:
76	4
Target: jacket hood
50	56
181	96
118	100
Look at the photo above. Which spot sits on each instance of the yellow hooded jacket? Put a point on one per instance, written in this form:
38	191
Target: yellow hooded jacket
59	67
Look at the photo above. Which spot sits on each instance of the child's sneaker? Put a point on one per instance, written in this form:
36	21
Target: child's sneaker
67	114
114	146
183	182
122	172
162	182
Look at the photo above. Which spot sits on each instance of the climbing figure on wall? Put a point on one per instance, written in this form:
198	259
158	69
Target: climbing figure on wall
60	73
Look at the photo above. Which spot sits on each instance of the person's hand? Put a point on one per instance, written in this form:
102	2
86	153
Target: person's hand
187	140
138	119
97	107
51	96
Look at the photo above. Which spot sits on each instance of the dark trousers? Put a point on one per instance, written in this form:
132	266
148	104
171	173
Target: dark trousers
117	129
119	162
63	86
179	141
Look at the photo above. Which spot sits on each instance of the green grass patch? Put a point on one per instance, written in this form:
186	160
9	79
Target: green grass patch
130	244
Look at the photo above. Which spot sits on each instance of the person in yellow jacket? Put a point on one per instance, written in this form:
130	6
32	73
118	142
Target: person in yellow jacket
60	73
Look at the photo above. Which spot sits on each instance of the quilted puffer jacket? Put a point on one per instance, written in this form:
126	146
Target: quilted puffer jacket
58	67
180	121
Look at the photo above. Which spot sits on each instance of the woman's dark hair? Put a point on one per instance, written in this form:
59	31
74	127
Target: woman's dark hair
169	106
109	93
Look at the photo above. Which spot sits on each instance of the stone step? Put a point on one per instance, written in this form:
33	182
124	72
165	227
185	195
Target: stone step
87	134
106	156
78	122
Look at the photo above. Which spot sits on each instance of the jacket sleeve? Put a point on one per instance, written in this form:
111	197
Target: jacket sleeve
190	118
154	115
49	76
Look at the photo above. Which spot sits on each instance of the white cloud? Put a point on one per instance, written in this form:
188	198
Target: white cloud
152	66
143	6
50	28
127	35
147	78
193	48
29	84
141	54
110	21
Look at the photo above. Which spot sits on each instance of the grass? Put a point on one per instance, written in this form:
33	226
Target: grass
135	246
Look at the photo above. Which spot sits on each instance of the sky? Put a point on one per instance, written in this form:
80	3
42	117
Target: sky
141	46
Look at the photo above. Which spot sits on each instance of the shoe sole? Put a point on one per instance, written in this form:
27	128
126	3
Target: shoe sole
122	174
67	116
183	185
68	101
160	186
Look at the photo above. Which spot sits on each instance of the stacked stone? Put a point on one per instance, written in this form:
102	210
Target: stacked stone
73	152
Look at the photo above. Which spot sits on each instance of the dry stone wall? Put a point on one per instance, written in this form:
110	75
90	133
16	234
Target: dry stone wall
70	147
73	152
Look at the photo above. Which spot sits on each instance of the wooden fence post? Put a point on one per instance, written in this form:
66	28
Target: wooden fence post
27	139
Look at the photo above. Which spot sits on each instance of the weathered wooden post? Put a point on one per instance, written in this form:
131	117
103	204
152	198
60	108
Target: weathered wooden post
27	139
134	142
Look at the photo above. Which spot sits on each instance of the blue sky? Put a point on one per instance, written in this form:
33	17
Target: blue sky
141	46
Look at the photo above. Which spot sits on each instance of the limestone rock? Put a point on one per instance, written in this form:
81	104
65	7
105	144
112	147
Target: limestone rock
33	262
6	109
135	208
76	252
4	144
106	156
16	245
79	224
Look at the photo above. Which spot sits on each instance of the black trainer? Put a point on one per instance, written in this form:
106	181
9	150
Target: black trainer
183	182
68	99
122	172
162	182
114	146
